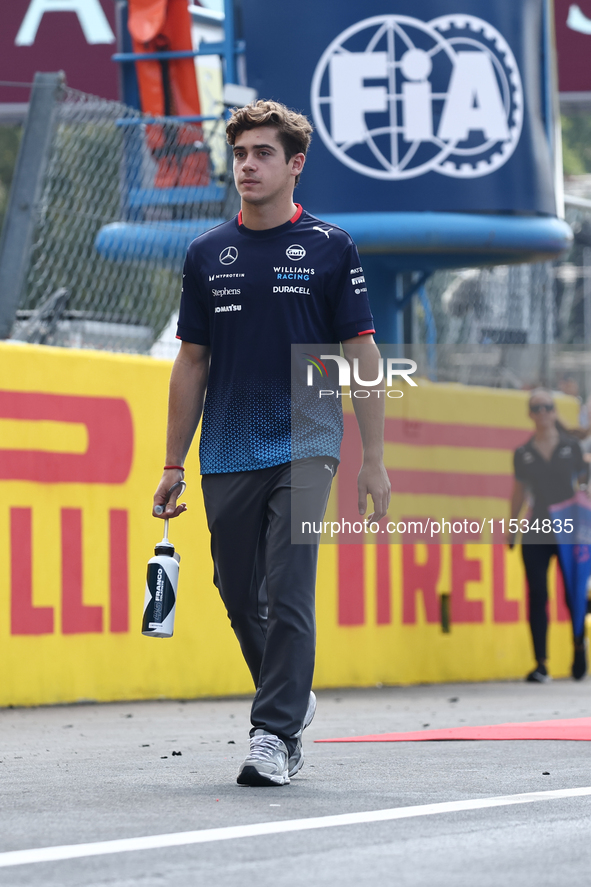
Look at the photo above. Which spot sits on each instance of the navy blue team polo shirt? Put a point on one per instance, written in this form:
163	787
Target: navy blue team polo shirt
249	295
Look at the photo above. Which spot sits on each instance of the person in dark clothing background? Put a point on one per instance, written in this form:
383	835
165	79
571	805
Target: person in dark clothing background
546	469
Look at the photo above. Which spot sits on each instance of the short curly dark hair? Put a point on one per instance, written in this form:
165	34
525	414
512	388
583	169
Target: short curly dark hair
293	130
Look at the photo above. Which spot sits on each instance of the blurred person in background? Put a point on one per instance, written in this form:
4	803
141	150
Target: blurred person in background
546	468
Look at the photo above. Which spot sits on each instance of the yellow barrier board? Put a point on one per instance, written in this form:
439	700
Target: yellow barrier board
81	448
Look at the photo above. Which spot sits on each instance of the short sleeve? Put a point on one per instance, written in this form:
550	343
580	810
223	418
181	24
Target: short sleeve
193	323
348	297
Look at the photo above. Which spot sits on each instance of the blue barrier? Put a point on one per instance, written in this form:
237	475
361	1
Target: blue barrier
412	241
426	241
150	241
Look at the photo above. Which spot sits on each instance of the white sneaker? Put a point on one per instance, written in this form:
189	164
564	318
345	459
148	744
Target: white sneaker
296	760
266	763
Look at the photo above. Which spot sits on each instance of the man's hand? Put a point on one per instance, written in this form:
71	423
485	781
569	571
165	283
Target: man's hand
363	355
373	480
162	500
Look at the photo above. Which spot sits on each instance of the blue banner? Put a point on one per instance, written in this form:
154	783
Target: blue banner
434	106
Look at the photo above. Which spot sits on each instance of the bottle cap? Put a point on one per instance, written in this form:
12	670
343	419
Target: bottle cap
166	548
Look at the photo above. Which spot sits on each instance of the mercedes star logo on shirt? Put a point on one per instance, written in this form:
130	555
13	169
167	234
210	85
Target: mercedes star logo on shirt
228	255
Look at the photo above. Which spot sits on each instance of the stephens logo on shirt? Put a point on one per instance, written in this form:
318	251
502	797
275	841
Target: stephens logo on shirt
226	292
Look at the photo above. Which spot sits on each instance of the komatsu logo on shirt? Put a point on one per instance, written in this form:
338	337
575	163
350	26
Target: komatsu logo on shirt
226	292
356	270
284	272
222	308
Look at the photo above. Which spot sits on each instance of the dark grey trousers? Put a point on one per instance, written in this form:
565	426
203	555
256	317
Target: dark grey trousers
268	584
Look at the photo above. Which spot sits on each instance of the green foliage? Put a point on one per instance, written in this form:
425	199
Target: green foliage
10	137
576	144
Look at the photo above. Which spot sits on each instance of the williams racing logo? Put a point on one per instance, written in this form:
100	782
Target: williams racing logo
394	97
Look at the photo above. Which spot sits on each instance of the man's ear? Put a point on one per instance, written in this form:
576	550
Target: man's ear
297	163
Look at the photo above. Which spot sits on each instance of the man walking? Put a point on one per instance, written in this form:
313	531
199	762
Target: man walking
271	277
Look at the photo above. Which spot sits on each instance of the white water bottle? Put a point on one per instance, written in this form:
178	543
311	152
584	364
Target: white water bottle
162	581
161	587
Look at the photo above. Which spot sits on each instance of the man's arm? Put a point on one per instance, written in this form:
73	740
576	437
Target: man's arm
188	383
369	412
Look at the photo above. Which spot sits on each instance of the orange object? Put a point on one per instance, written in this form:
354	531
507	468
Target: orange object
168	87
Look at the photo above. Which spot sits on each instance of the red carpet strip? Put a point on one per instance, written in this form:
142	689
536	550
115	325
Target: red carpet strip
577	729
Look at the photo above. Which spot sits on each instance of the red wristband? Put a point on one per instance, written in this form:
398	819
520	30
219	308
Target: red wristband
180	467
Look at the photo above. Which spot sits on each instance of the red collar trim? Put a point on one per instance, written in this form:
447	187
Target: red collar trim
293	219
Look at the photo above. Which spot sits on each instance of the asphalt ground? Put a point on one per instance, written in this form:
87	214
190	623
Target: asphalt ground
85	774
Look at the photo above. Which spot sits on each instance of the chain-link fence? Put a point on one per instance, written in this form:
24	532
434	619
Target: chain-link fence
515	326
120	202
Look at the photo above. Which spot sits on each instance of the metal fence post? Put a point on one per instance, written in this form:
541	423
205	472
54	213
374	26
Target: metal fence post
19	223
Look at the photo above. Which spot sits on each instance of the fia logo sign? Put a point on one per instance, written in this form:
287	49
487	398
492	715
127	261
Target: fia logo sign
394	97
93	21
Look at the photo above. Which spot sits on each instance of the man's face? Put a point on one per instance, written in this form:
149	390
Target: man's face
260	171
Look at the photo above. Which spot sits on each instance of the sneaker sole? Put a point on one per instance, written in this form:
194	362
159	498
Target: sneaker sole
250	776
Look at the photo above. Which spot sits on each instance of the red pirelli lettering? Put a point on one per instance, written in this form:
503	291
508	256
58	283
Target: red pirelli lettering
25	617
77	617
109	425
